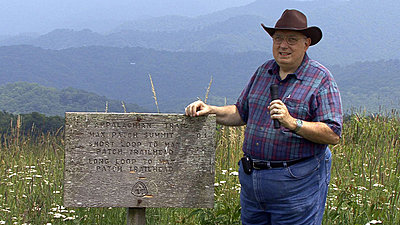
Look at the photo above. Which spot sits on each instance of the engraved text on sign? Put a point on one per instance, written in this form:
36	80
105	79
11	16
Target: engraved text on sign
139	160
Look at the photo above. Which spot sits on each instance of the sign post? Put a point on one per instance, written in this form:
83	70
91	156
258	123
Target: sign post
139	160
136	216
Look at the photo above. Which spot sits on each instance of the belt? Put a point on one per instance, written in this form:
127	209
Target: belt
260	165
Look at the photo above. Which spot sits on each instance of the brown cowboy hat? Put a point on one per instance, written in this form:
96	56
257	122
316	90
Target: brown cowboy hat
292	19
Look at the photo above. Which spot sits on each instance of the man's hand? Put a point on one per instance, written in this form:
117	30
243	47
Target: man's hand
198	108
279	111
226	115
317	132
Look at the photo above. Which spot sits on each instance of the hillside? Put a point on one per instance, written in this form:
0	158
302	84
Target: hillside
22	97
353	31
179	77
369	85
123	73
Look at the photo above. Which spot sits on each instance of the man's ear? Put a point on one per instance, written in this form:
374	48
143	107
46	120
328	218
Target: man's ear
307	43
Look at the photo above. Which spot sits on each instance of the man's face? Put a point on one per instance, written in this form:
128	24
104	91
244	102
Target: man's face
289	48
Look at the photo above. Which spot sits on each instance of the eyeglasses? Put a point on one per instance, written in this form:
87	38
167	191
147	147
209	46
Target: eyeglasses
290	40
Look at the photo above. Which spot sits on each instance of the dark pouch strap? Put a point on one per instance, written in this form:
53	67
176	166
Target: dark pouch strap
247	164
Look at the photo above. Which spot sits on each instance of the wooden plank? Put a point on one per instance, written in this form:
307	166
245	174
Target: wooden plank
139	160
136	216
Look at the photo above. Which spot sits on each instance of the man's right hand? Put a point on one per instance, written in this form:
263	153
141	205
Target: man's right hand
198	108
226	115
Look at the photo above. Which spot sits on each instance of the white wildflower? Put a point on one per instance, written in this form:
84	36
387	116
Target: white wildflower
374	222
361	188
234	173
69	218
59	215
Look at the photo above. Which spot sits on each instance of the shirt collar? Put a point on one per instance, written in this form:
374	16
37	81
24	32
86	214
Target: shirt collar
299	74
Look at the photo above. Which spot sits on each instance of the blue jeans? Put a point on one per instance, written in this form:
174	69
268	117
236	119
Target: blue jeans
287	195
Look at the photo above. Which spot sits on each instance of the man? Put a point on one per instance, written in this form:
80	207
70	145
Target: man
286	171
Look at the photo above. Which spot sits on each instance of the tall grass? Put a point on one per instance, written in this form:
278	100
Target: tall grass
364	185
365	172
154	93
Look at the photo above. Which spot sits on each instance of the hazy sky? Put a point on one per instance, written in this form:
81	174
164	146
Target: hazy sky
40	16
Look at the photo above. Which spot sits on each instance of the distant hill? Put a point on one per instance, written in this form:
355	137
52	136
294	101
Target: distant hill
23	97
100	15
123	73
355	30
178	77
372	86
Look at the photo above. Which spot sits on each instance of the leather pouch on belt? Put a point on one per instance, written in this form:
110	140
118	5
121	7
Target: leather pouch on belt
247	164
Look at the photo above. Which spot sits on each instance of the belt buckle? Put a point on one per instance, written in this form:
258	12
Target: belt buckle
266	165
256	167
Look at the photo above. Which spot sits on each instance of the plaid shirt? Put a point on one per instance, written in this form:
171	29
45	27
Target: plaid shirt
310	94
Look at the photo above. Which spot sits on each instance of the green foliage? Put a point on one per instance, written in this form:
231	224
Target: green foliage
365	172
23	97
33	124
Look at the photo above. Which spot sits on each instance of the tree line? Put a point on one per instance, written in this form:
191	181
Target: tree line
30	124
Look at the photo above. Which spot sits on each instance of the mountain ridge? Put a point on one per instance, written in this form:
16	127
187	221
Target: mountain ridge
23	97
351	31
180	77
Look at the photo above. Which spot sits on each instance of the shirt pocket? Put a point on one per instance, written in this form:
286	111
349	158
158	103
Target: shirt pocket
297	108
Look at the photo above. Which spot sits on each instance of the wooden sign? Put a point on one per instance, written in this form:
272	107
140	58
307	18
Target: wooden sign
139	160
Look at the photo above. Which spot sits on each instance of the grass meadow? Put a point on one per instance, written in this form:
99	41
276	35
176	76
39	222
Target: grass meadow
364	186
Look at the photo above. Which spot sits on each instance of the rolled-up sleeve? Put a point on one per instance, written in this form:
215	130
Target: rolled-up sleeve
242	103
329	109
